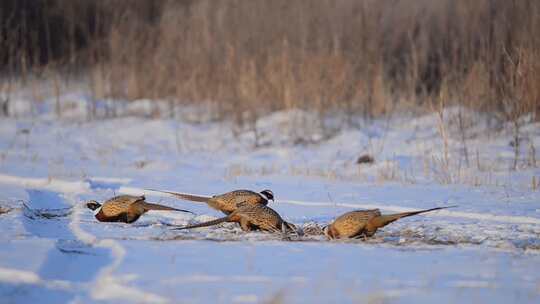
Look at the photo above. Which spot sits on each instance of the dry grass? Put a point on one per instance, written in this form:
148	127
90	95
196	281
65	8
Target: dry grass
4	210
245	58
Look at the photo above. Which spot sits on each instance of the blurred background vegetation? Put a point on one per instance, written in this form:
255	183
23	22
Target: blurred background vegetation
246	58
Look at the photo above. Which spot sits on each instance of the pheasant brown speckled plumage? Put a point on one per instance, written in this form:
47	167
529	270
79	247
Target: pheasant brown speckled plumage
227	202
252	217
125	208
364	223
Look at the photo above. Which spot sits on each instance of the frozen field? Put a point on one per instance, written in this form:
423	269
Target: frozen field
53	250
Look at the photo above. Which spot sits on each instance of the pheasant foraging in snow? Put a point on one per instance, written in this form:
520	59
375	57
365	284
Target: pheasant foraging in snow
252	217
227	202
125	208
364	223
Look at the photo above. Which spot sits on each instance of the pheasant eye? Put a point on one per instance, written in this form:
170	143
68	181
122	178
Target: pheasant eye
269	195
92	205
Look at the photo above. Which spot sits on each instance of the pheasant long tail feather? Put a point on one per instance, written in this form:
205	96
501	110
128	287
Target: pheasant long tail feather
205	224
383	220
185	196
151	206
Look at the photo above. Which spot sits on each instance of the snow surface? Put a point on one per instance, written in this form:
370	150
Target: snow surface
52	250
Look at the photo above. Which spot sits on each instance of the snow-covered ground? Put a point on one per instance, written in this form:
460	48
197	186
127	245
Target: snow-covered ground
52	250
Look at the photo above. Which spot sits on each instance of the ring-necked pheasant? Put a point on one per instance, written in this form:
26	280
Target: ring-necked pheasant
252	217
125	208
227	202
364	223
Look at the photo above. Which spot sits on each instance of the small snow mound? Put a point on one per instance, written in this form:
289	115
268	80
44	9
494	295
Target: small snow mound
289	127
247	298
18	276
